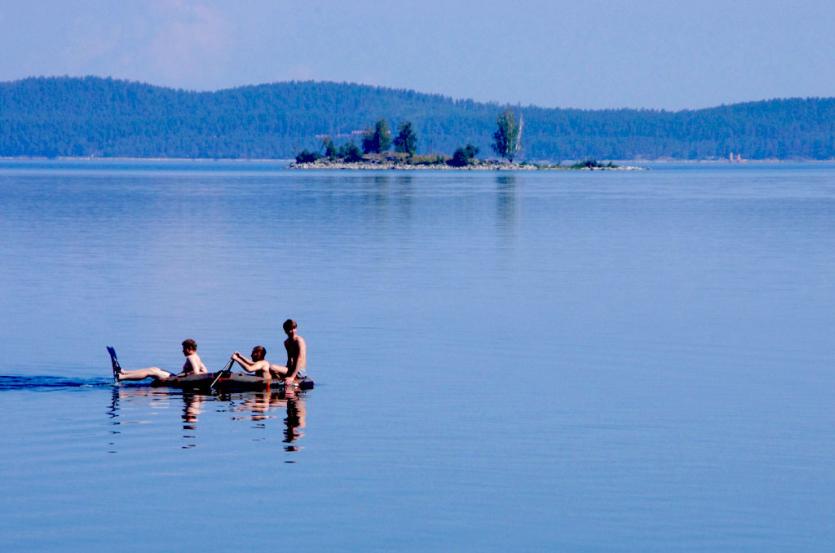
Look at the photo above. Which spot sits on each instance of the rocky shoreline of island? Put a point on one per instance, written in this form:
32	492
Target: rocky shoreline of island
480	165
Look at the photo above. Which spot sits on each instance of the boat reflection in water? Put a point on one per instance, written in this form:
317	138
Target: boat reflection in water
143	404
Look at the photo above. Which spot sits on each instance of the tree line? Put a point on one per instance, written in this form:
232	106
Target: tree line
105	117
507	143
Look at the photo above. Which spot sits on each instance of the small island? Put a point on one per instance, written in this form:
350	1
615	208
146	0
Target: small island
376	155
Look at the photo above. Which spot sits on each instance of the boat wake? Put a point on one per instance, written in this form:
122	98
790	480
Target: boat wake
9	383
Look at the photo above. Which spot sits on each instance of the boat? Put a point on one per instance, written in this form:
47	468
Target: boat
223	380
230	381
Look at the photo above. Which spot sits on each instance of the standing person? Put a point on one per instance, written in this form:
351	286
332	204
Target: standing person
258	365
296	355
193	365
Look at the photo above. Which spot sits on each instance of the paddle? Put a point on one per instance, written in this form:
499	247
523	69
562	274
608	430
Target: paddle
226	367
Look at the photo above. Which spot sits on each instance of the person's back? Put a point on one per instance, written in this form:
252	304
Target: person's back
194	365
297	351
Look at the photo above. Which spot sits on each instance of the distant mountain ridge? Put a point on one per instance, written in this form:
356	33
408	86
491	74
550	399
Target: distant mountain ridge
94	116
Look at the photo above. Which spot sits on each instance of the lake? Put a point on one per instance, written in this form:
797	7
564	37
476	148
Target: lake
566	361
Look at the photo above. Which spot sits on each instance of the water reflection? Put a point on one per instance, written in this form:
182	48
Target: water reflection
192	407
378	197
256	407
294	423
261	404
113	415
405	196
506	203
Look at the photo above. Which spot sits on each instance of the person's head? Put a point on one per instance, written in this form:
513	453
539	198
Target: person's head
289	327
259	353
189	346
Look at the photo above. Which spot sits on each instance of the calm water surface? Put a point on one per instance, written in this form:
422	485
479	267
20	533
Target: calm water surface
529	361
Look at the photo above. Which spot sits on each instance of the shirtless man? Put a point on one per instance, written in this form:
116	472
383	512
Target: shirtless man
257	365
193	365
296	355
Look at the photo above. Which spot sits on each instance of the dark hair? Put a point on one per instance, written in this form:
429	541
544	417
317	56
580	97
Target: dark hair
261	350
288	324
189	343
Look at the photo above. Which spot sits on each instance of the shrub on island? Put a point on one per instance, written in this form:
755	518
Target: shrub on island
593	164
463	156
350	153
306	156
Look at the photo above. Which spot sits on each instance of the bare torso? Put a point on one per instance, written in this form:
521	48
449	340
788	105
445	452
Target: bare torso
194	365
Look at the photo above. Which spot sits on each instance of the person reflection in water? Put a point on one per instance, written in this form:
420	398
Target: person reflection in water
295	422
261	403
192	407
193	365
191	411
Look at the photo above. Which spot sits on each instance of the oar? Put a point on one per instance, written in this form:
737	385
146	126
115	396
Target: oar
225	368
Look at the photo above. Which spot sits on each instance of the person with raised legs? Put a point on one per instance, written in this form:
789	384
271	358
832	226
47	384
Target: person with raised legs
193	365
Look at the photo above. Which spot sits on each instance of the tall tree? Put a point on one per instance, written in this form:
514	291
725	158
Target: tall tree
507	140
330	148
378	140
406	140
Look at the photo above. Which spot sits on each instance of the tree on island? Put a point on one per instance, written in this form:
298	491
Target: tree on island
350	153
330	149
378	140
463	156
406	140
507	140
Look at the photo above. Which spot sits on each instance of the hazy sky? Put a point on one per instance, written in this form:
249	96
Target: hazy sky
580	53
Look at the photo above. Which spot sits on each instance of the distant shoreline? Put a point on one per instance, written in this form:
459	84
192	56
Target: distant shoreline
43	117
289	161
156	159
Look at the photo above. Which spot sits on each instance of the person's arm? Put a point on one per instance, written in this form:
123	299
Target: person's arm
246	363
262	367
301	359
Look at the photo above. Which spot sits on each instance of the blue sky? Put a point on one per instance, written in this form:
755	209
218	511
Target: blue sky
589	54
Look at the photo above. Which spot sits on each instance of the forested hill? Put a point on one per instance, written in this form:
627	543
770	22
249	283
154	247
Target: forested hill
93	116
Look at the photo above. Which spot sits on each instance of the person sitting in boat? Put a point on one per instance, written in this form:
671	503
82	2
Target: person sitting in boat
296	355
257	365
193	365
